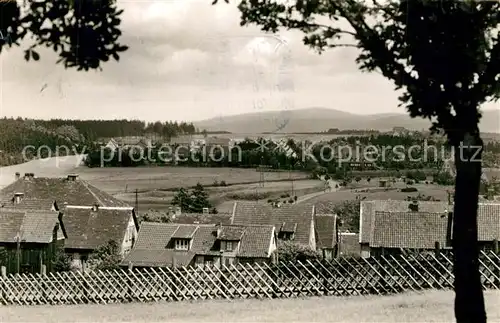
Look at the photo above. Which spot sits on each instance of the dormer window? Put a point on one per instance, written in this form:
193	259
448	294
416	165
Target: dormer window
182	244
287	231
286	236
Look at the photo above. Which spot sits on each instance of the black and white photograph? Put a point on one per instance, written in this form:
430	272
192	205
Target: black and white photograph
250	161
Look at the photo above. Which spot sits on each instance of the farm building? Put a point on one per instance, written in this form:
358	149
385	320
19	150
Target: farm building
28	239
394	226
169	244
89	227
70	190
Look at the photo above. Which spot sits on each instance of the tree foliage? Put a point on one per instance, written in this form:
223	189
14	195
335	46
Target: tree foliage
444	58
193	200
106	257
84	33
289	251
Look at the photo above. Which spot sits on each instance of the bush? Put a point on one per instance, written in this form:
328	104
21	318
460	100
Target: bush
222	183
290	251
290	201
357	179
409	189
410	182
106	257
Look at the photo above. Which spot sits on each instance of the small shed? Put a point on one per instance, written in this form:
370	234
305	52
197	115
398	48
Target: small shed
29	239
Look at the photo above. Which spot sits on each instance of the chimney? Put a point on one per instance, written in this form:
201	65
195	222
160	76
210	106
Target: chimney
95	207
28	176
219	229
18	176
18	197
72	177
205	210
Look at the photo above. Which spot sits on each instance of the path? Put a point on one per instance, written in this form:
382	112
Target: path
331	187
49	167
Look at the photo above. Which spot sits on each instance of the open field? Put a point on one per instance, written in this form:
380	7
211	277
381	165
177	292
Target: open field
121	179
431	306
224	197
392	193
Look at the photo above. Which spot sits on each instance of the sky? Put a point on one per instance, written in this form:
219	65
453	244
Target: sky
188	61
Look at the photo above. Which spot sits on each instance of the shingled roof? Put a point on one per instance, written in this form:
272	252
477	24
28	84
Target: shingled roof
245	213
88	229
326	230
412	230
488	217
64	190
30	204
368	209
154	245
30	226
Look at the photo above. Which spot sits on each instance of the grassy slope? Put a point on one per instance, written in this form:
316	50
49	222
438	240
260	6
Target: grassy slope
432	306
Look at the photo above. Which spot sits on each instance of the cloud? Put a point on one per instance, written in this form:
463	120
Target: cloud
189	60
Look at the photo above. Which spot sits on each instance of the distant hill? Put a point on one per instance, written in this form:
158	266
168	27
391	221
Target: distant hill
322	119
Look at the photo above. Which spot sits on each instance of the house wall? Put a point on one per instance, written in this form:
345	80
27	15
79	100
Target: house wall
365	250
129	238
31	257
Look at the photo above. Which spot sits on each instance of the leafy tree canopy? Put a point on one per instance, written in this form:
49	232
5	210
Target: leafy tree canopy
84	33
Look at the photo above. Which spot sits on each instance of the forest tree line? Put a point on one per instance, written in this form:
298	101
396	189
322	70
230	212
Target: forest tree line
18	133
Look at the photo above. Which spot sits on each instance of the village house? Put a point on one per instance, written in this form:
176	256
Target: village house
69	190
391	227
90	227
139	142
29	238
293	222
297	223
171	244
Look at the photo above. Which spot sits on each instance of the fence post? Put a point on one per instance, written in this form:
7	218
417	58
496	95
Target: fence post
43	277
3	271
496	250
130	292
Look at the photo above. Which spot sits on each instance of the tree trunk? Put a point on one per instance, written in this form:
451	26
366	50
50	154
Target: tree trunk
469	299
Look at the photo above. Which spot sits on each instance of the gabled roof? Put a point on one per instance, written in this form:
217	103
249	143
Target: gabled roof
234	233
326	226
30	204
488	219
412	230
368	209
88	229
30	226
245	213
154	245
77	192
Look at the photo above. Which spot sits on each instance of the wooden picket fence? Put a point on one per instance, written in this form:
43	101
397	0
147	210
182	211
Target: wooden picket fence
341	277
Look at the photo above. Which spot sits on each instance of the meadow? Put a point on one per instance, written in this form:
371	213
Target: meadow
429	306
156	185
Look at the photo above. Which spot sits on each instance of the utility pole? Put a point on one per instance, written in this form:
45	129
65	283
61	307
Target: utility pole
137	202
